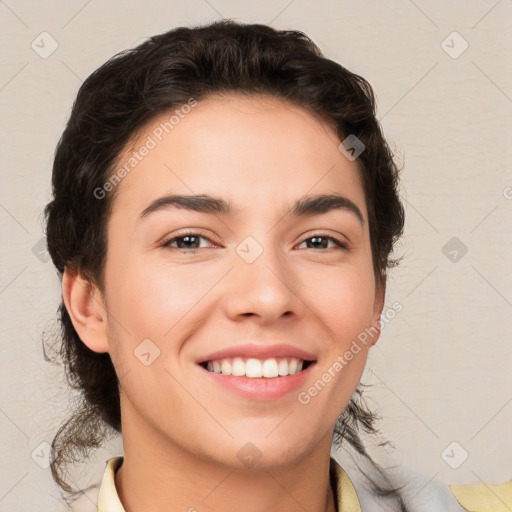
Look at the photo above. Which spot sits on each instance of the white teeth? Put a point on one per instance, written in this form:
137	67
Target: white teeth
225	366
283	367
238	367
253	368
256	368
270	368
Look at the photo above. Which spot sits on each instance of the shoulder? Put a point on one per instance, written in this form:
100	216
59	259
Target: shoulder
424	493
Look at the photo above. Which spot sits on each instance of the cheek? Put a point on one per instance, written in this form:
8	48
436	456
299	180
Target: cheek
343	299
151	300
148	308
154	310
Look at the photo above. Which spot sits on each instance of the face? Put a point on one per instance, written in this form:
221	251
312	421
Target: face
263	282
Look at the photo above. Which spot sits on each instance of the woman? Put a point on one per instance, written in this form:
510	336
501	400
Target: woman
224	211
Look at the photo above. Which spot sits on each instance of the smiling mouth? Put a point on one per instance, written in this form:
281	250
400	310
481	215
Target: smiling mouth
257	368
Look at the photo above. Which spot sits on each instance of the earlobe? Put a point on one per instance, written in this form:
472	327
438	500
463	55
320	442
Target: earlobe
85	306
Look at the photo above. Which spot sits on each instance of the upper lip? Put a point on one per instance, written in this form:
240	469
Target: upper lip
259	351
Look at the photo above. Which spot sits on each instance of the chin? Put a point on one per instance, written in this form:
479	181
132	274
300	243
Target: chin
263	451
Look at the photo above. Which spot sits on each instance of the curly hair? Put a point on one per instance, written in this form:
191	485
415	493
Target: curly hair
121	97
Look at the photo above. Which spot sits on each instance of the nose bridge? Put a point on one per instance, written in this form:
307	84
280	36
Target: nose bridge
262	281
260	258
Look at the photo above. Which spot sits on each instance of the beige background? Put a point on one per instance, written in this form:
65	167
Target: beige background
442	369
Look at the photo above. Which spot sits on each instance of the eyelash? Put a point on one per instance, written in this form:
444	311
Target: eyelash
340	245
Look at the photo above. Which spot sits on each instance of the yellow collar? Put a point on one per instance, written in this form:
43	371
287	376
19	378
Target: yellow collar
108	499
484	497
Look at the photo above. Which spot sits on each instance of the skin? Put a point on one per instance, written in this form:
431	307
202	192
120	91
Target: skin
181	437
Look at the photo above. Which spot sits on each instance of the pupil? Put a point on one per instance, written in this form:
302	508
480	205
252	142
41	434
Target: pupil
188	238
317	238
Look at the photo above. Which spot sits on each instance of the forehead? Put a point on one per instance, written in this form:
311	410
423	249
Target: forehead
252	150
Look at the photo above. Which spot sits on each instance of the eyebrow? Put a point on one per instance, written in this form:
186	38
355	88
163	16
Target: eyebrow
205	203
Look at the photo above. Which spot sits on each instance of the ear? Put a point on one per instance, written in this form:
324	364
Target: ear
378	306
86	308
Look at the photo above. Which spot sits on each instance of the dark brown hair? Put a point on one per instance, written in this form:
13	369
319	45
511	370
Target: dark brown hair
121	97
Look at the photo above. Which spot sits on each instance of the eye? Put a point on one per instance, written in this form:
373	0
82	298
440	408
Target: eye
190	241
321	241
186	241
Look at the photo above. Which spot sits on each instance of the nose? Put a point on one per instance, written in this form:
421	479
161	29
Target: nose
265	289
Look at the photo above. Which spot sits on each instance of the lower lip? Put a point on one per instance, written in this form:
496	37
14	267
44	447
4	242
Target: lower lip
260	388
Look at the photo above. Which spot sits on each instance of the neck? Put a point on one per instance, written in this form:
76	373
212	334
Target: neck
158	476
